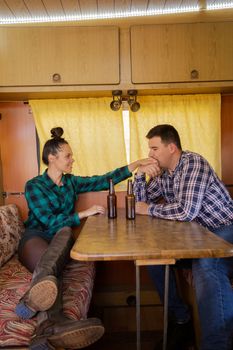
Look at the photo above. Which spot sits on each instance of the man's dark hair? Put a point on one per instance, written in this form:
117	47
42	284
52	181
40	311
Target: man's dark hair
167	133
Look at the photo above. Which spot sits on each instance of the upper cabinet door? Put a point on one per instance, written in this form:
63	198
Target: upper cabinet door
159	53
59	56
214	42
182	52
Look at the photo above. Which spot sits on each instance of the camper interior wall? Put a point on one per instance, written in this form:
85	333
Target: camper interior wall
113	290
1	184
18	151
18	148
227	140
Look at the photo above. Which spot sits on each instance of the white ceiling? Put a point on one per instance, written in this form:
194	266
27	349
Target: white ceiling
11	9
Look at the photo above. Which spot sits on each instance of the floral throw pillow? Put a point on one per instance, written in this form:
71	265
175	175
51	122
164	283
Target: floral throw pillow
11	229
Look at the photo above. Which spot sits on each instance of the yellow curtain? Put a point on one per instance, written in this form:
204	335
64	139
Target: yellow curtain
196	118
94	132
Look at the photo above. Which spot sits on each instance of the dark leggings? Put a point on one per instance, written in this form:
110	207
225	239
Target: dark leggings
32	246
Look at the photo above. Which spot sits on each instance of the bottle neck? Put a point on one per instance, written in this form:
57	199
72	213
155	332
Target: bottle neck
130	187
111	187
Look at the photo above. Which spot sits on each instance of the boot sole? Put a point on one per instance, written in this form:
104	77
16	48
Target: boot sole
79	336
43	294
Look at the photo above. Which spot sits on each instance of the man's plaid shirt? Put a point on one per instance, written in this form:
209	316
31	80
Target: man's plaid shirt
192	192
52	207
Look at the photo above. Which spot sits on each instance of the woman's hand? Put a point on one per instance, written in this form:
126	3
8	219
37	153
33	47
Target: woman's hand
152	170
141	162
95	209
147	166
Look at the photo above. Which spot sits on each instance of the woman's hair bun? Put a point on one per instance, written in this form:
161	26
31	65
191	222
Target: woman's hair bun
56	133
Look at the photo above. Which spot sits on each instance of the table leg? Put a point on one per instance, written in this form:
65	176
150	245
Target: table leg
147	262
165	322
138	317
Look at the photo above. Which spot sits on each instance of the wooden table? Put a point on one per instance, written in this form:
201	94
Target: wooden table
147	241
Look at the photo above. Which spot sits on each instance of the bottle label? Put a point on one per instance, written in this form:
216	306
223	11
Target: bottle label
112	206
130	207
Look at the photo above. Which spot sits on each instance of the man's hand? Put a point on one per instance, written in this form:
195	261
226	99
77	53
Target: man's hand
95	209
141	208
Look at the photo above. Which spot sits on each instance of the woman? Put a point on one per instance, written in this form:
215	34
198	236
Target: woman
46	243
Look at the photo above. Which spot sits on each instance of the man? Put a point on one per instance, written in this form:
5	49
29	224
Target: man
191	191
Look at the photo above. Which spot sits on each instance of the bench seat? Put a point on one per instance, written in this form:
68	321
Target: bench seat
78	279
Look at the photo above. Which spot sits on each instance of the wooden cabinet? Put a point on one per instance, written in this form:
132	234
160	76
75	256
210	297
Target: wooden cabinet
195	52
37	56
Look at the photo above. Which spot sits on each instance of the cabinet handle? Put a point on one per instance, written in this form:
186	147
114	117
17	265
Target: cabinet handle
56	77
194	74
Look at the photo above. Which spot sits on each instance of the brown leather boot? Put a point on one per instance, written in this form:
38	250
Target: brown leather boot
43	291
67	334
40	297
55	330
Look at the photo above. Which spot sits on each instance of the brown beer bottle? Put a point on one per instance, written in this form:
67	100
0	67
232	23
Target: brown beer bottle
112	201
130	202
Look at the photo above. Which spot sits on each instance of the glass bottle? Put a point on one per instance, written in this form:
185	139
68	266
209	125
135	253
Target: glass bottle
130	202
112	201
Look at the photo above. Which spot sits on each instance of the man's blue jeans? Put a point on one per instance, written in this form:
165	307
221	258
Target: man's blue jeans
214	296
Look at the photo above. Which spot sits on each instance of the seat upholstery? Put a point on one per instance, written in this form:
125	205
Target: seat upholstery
78	279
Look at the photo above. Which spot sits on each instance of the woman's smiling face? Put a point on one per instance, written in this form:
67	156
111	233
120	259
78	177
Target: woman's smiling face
63	159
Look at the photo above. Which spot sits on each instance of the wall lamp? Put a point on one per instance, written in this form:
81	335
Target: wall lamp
131	98
115	105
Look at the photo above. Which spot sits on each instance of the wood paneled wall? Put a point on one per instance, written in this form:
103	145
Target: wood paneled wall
1	181
18	150
227	141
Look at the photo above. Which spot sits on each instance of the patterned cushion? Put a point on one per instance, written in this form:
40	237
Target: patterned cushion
14	282
11	228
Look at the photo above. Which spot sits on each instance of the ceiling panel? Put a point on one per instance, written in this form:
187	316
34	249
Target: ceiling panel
105	6
71	7
88	7
50	8
211	2
217	2
18	8
139	5
172	4
36	8
166	4
156	4
4	9
54	7
186	3
122	5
